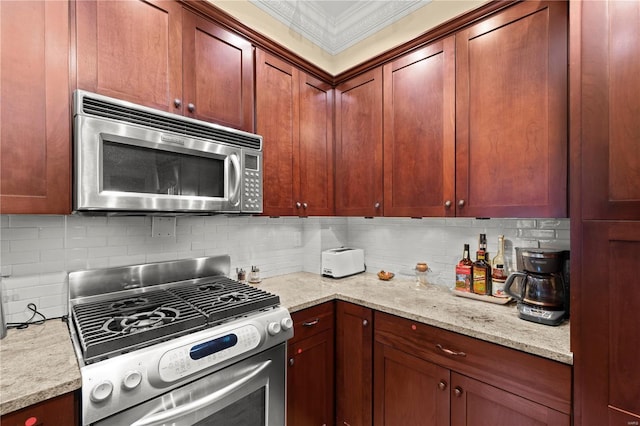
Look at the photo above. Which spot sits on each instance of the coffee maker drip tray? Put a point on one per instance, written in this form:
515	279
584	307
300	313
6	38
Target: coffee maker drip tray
540	315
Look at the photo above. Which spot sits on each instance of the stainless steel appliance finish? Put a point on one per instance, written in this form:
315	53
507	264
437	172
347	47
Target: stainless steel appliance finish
133	159
178	343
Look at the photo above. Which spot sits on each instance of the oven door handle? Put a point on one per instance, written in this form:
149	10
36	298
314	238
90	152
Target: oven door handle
164	416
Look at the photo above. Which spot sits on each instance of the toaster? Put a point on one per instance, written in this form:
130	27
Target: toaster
342	262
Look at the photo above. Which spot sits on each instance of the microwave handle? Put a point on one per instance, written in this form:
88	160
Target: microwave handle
234	190
164	416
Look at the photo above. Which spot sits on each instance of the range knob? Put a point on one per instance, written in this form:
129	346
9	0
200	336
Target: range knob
286	323
273	328
131	380
101	391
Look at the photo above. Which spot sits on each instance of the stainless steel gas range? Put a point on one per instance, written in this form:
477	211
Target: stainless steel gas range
178	343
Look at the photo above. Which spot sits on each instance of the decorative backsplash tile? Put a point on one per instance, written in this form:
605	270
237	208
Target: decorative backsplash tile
36	252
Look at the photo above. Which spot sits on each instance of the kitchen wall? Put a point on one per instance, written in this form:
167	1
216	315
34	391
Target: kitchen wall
36	252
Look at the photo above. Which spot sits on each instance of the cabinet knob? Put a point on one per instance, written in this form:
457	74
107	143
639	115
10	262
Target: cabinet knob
305	205
298	204
177	102
461	203
191	107
447	203
442	385
291	361
457	391
376	205
365	323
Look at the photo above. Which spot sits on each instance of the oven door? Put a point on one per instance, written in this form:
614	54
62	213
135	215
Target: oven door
121	167
248	393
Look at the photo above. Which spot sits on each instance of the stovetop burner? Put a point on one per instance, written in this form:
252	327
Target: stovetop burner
141	321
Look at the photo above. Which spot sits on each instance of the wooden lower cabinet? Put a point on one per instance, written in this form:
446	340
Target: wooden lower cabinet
354	364
310	369
58	411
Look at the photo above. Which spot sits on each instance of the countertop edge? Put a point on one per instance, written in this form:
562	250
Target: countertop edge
7	407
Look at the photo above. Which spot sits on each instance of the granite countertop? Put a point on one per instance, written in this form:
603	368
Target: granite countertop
431	304
36	364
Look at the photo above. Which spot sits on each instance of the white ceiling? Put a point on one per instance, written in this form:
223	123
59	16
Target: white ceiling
337	25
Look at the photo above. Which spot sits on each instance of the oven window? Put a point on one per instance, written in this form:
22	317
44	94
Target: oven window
248	411
127	168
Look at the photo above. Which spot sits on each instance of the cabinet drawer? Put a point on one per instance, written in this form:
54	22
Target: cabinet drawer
538	379
312	321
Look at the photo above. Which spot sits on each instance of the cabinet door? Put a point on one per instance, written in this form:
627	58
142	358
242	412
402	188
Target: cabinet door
58	411
359	188
277	113
419	132
511	113
409	390
35	150
131	50
316	147
354	364
218	74
607	353
474	403
610	128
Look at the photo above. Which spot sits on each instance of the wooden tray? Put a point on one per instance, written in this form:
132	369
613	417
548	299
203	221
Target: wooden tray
490	299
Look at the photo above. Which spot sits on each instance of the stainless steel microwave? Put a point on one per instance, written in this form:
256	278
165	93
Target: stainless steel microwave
134	159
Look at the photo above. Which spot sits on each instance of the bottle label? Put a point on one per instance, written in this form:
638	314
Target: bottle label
463	278
479	281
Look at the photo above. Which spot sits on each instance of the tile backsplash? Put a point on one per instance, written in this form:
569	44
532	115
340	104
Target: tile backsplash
36	252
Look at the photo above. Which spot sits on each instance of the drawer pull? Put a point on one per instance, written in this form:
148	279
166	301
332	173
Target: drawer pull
449	351
311	323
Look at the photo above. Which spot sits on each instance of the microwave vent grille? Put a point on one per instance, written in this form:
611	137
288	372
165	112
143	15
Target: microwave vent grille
145	118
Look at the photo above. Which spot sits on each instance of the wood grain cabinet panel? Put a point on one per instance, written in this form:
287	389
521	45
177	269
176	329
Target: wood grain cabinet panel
419	132
35	147
511	113
354	364
310	368
359	180
58	411
610	101
295	118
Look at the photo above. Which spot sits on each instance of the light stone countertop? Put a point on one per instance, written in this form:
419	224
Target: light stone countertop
433	305
36	364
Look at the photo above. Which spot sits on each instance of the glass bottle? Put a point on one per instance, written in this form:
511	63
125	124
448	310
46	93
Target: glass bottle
481	270
463	271
498	271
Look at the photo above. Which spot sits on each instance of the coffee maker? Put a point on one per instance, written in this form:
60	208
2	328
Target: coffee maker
542	291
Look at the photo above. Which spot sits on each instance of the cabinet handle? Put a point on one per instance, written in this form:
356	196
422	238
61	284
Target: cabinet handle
177	102
298	205
346	424
457	391
365	323
291	361
311	323
376	205
442	385
447	203
305	205
191	107
449	351
461	203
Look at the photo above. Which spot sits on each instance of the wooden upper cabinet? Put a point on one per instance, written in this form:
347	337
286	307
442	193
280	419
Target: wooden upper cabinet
35	150
359	180
294	115
131	50
419	132
511	113
218	74
154	53
610	125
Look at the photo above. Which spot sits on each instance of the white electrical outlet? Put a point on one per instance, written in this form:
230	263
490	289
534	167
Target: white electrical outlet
297	239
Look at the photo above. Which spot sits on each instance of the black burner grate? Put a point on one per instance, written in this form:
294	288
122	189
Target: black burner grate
222	298
132	322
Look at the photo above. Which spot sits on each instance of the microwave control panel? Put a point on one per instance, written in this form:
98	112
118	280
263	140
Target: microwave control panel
251	185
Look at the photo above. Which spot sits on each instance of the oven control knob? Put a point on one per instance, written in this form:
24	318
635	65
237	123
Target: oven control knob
273	328
101	391
286	323
131	380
